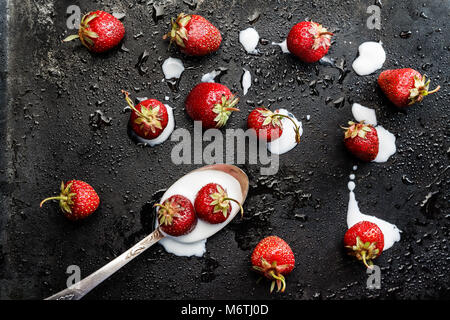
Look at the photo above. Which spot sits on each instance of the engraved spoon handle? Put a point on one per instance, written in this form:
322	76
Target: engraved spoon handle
80	289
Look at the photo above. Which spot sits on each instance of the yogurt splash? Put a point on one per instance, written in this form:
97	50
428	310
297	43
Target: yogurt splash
246	81
282	45
194	243
371	58
390	231
162	137
210	76
386	139
387	146
286	142
361	113
172	68
249	39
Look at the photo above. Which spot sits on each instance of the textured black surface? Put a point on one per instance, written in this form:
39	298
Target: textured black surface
48	136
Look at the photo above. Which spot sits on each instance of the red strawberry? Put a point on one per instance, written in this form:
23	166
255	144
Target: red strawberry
213	205
78	200
99	31
365	241
273	258
211	103
267	124
176	216
149	118
194	34
362	140
309	41
404	87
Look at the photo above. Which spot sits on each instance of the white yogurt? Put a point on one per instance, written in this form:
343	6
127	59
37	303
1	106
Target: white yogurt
163	136
172	68
246	81
390	231
286	142
181	249
351	185
371	58
386	140
194	243
210	76
361	113
282	45
249	39
386	147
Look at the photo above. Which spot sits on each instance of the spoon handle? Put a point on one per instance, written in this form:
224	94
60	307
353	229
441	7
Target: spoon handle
80	289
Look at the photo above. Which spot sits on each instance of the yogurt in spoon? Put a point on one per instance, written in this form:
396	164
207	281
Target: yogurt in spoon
194	243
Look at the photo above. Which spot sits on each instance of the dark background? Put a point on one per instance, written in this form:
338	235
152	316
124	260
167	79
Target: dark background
51	89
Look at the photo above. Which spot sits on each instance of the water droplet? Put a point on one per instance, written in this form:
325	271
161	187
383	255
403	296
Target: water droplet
405	34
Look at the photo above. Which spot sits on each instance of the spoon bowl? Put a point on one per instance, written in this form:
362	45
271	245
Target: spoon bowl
230	177
233	179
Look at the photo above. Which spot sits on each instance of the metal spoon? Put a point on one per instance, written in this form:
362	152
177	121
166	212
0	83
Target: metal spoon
80	289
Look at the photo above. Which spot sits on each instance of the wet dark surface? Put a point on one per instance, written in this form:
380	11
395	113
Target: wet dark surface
64	119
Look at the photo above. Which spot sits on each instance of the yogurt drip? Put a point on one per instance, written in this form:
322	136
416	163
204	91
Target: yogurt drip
390	231
210	76
282	45
386	139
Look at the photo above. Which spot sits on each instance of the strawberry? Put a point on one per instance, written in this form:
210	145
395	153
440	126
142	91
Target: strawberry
176	216
99	31
273	258
195	35
213	205
211	103
78	200
404	87
149	118
365	241
362	140
309	41
267	124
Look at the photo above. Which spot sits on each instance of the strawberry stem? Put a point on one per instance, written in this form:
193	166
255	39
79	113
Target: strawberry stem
131	104
239	204
64	198
364	259
297	128
231	109
326	33
433	91
280	281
